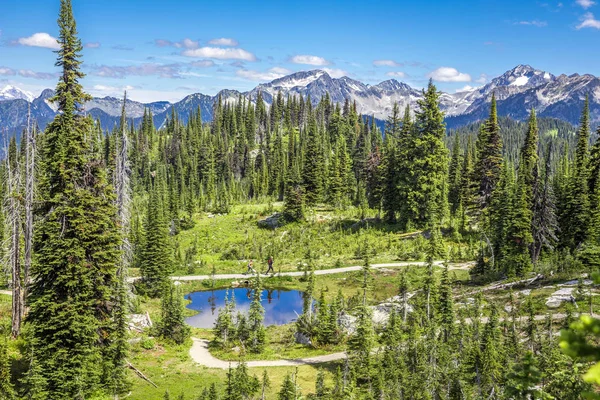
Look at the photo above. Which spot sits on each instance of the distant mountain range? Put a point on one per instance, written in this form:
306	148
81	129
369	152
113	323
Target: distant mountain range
517	91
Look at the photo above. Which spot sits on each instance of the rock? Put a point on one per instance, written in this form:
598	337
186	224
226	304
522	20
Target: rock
586	282
139	322
235	284
270	222
301	338
524	293
560	296
347	323
177	283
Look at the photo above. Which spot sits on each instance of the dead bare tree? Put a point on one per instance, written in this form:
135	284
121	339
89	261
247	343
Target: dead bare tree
29	191
122	188
12	211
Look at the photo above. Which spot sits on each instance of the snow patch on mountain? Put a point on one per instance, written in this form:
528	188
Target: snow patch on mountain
10	92
520	81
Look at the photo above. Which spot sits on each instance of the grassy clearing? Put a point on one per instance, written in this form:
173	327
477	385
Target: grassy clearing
171	368
328	239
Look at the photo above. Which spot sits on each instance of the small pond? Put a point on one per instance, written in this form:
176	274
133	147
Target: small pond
280	306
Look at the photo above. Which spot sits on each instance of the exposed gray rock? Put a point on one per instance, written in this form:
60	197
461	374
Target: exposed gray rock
301	338
270	222
347	323
139	322
559	297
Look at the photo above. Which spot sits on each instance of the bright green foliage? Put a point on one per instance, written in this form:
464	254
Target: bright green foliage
523	380
288	389
361	344
172	325
224	327
256	315
6	388
446	306
240	385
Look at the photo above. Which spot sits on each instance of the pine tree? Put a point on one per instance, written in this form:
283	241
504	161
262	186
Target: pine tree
156	261
523	380
446	306
7	390
77	239
544	222
489	160
578	206
455	177
172	325
288	389
256	315
313	171
430	160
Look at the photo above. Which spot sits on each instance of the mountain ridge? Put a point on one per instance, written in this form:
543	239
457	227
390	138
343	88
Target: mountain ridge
517	91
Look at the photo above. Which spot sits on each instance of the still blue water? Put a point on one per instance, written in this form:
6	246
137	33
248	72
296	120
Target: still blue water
280	306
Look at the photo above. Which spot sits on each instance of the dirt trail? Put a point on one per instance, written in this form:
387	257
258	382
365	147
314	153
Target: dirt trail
201	355
461	266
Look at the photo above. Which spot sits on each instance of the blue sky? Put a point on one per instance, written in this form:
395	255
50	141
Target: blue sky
161	50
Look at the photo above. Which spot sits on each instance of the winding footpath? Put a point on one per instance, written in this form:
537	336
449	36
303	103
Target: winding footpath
201	355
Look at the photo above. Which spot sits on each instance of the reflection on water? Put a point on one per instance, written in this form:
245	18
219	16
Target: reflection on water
280	306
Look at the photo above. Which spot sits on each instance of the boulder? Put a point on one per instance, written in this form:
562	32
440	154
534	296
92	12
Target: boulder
139	322
301	338
559	297
347	323
270	222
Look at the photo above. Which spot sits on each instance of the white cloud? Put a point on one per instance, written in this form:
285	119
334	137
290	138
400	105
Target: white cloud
194	74
189	43
536	23
112	89
203	63
585	3
309	60
387	63
270	75
92	45
335	73
221	54
483	78
138	94
162	70
588	21
27	73
449	74
466	88
396	74
224	42
184	44
40	39
7	71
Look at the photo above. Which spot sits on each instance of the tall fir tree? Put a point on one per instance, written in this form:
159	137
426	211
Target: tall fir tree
76	242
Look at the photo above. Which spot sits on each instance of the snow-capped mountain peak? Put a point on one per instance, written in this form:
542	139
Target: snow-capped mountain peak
517	91
10	92
298	79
